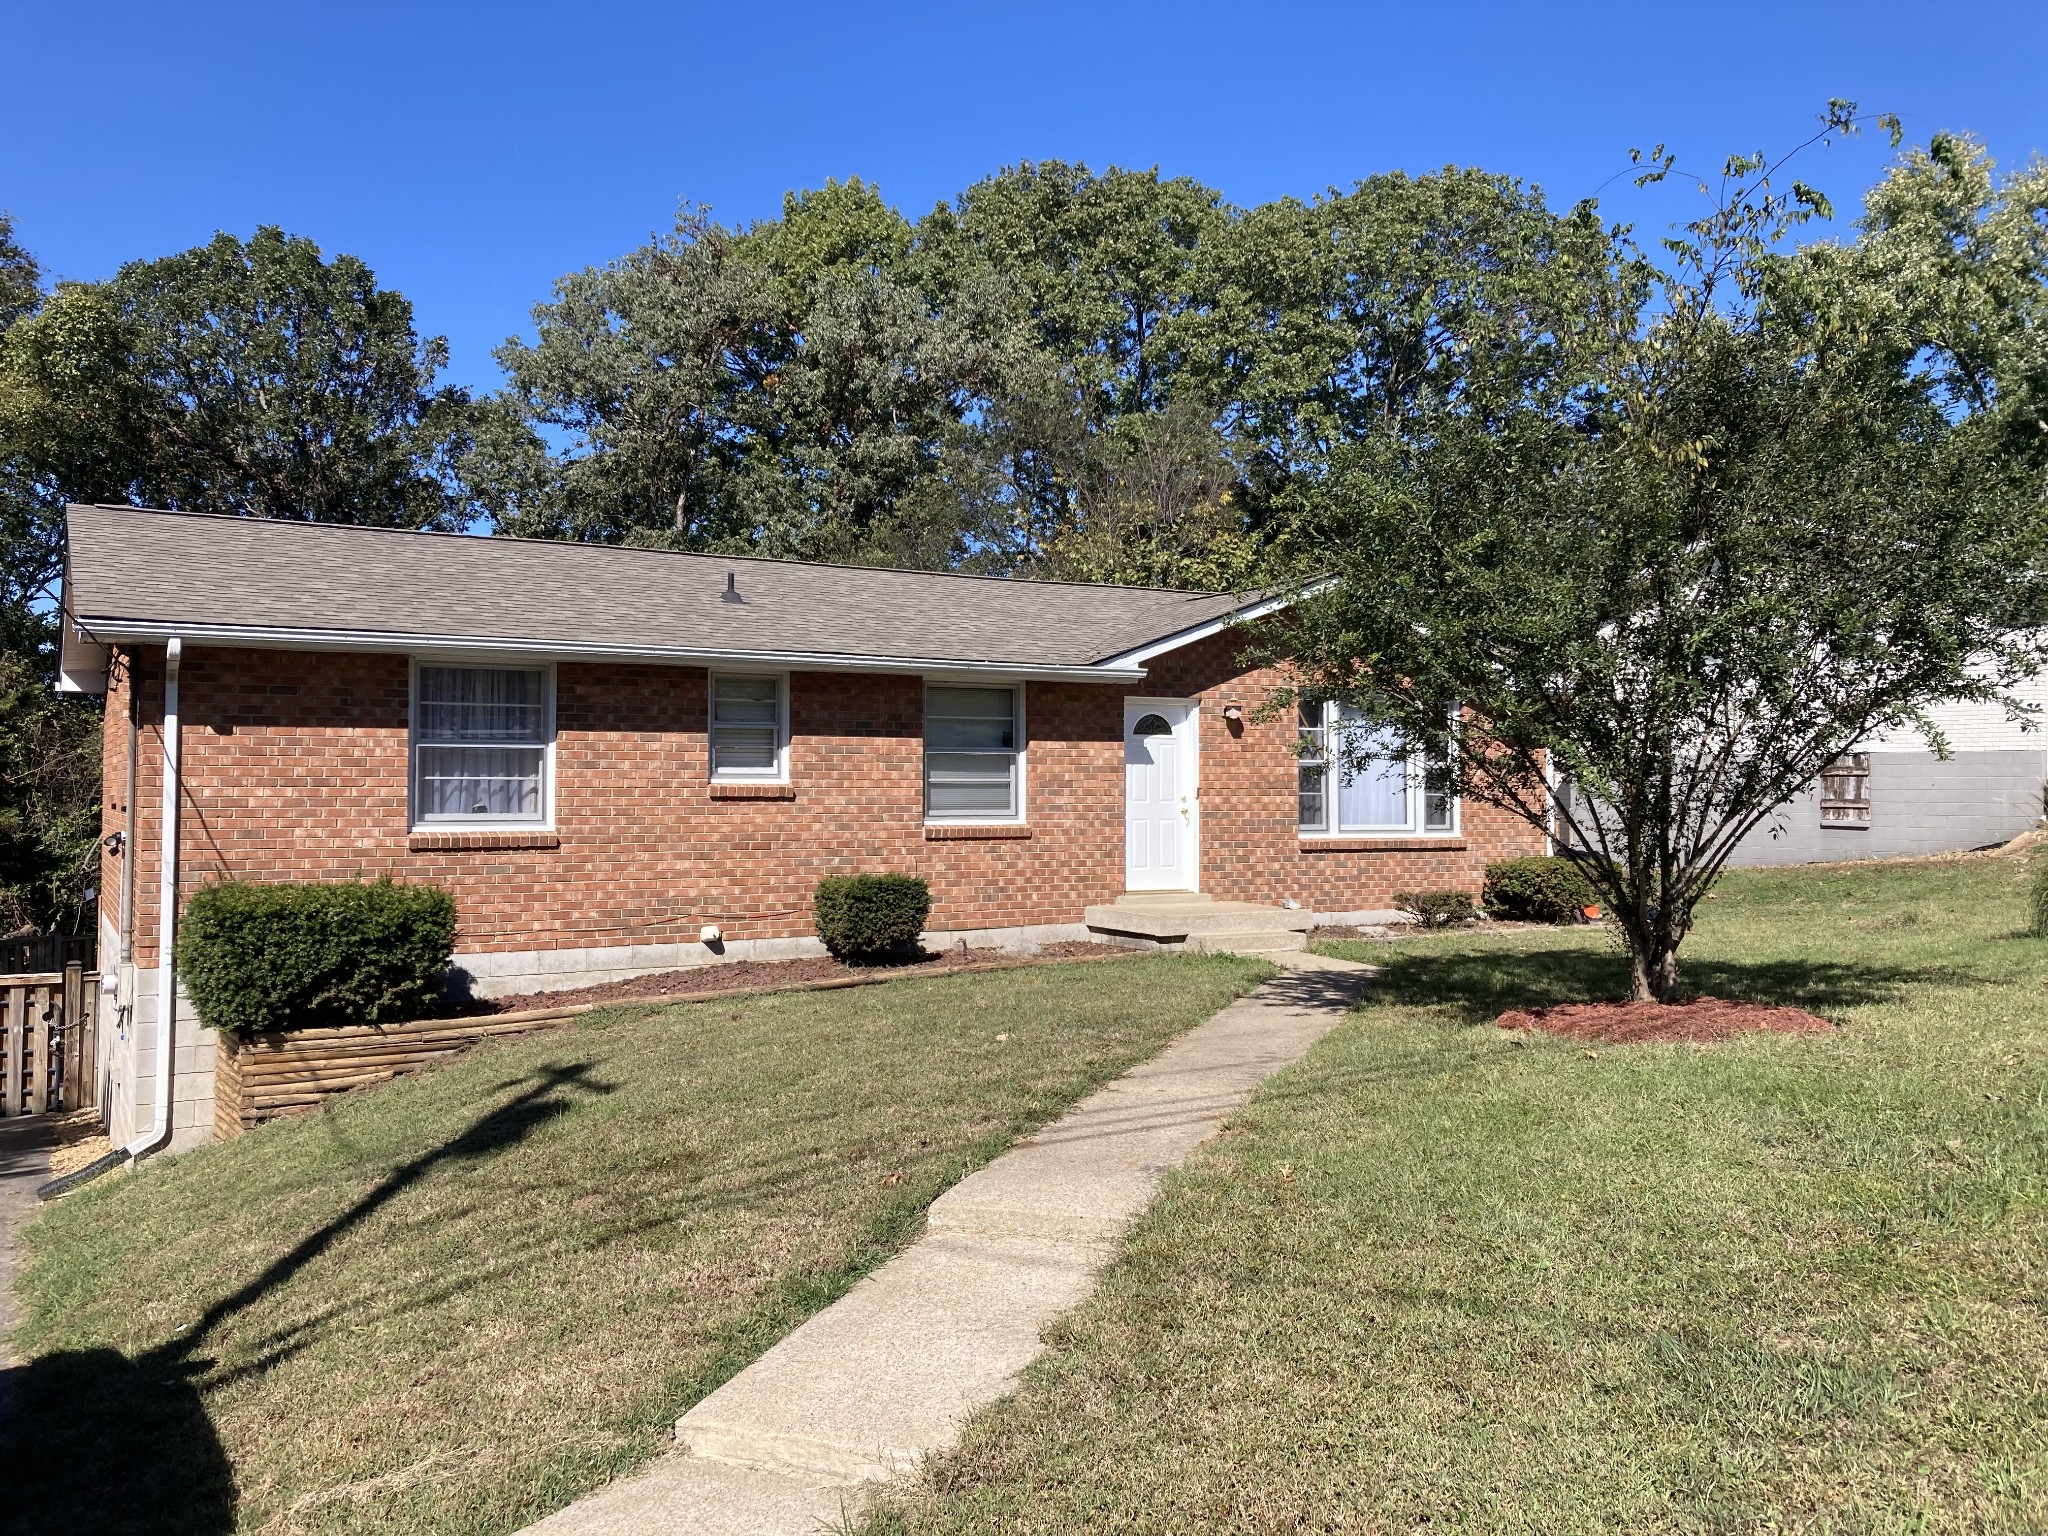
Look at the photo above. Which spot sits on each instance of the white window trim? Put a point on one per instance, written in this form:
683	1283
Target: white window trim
1418	789
781	773
414	820
1018	695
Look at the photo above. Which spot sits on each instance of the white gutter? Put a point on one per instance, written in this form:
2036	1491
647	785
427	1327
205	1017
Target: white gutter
166	917
123	631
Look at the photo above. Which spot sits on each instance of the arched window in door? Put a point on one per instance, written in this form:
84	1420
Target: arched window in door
1152	725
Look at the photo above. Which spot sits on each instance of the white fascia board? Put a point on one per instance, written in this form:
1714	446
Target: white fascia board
123	632
81	659
1152	649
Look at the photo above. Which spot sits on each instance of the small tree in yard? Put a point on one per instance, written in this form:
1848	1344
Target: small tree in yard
1749	505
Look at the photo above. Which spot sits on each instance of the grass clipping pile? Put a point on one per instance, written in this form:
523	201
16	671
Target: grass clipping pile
1697	1020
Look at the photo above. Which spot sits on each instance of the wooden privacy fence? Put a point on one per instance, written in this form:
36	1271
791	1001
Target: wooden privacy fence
47	1050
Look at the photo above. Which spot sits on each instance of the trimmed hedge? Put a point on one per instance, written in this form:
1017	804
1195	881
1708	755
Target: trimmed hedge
267	957
863	917
2039	898
1543	889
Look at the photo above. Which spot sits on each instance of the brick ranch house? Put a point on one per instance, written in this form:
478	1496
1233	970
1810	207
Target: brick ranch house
607	754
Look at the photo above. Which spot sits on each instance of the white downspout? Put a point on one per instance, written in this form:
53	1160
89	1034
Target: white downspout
166	918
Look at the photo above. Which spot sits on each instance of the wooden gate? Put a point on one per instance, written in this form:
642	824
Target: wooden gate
47	1046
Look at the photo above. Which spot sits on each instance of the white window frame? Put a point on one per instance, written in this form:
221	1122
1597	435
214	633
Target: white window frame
421	823
1417	770
1017	700
780	773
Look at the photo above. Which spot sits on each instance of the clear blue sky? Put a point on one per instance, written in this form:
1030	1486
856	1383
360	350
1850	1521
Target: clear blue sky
472	153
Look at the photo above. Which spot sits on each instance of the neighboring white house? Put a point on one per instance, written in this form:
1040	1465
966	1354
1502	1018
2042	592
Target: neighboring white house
1893	796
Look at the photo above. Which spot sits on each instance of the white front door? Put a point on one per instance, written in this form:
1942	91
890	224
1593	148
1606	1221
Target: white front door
1160	811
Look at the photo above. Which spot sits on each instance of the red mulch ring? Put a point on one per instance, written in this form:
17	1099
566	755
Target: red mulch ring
1695	1019
781	973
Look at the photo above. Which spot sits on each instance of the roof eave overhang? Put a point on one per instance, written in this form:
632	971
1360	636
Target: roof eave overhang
101	632
1264	607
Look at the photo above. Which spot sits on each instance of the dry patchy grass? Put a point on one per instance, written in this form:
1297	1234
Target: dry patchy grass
1440	1278
455	1303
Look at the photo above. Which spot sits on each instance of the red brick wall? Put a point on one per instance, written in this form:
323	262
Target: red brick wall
295	769
1251	849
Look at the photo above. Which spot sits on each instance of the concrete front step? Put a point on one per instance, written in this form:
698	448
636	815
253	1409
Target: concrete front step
1181	920
1174	921
1290	942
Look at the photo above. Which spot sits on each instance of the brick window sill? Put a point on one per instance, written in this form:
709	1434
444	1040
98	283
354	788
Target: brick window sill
466	842
938	833
753	791
1382	844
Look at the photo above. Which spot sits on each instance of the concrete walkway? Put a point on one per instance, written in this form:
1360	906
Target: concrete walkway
869	1387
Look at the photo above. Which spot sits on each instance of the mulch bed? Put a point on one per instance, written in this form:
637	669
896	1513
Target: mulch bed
1696	1019
750	974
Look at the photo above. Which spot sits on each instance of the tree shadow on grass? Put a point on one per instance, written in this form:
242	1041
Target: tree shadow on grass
94	1441
1482	984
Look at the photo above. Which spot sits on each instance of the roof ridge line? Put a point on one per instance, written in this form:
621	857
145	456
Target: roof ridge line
637	549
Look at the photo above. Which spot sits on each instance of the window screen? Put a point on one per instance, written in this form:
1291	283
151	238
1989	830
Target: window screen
970	754
746	727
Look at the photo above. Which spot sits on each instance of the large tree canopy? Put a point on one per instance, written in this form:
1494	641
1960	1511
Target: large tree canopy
49	747
783	389
1756	503
1113	376
239	377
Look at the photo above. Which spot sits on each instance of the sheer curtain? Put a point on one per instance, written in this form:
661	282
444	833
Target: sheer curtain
1373	792
482	743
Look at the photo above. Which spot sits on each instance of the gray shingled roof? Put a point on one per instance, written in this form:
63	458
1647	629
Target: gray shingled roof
132	572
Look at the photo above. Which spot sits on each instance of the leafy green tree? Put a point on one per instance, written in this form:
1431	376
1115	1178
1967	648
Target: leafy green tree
252	378
1098	278
1756	503
49	800
1337	323
49	747
978	389
237	377
784	390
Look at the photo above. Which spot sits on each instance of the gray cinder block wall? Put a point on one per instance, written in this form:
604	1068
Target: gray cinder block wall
1919	804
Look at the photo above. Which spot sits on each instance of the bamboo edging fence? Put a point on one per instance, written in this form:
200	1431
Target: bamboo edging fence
261	1077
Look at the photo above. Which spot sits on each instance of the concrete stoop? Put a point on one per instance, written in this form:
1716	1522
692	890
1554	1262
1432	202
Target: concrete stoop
887	1375
1189	922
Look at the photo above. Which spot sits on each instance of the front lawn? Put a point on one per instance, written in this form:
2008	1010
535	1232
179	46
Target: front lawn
456	1302
1441	1279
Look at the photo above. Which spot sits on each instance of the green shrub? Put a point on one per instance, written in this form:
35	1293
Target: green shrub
264	957
1537	890
863	917
2039	896
1438	909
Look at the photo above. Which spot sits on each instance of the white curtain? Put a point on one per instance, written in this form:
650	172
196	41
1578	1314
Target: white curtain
482	743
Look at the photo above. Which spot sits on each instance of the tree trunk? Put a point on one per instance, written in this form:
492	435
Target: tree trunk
1653	974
